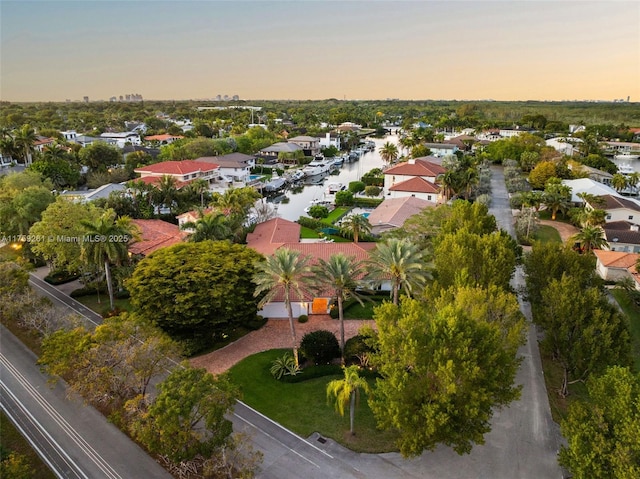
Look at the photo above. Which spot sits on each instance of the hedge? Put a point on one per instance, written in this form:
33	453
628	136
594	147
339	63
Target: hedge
367	202
60	277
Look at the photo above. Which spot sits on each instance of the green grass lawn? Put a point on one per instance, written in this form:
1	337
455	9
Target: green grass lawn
308	233
303	408
364	311
547	234
100	307
336	214
12	441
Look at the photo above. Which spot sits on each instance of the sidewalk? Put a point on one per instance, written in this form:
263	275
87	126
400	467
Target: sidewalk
65	288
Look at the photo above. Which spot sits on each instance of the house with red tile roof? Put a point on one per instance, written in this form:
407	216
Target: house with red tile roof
280	233
155	234
42	142
393	212
617	265
416	177
184	172
165	139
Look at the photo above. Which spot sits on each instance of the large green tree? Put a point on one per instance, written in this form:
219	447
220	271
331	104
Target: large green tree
286	272
442	376
100	156
389	152
58	236
23	198
584	332
603	431
478	260
187	418
196	292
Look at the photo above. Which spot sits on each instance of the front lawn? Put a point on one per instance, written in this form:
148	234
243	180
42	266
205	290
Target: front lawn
100	303
303	408
336	214
547	234
365	311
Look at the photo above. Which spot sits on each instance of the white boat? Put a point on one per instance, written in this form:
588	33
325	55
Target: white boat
319	202
338	161
297	175
276	184
625	169
626	156
318	166
333	188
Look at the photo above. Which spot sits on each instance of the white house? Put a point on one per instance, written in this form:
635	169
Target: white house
310	145
330	140
619	208
622	236
184	172
236	166
416	177
442	149
616	265
123	138
564	145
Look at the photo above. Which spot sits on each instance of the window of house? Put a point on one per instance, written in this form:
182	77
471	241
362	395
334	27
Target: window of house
630	217
608	217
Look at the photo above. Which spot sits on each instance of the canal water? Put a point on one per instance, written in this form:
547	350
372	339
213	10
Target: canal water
290	204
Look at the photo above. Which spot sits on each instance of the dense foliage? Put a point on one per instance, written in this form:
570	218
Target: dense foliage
196	292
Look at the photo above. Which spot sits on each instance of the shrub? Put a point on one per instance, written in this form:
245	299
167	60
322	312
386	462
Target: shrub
318	211
344	198
310	223
256	323
60	277
357	350
284	366
89	290
372	191
320	346
356	186
367	202
313	372
303	318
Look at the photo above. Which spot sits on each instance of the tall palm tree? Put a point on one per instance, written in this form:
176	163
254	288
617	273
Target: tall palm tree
55	152
389	152
341	275
399	262
107	243
166	192
285	272
8	148
619	182
347	391
356	225
24	139
212	226
590	238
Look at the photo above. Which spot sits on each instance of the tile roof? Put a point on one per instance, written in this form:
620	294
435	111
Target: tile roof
395	211
155	234
177	167
154	180
164	137
417	167
616	259
270	235
415	185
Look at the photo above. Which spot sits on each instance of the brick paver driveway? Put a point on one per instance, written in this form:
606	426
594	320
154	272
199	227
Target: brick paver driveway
275	334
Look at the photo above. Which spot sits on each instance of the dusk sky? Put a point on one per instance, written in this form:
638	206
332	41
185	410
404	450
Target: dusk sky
501	50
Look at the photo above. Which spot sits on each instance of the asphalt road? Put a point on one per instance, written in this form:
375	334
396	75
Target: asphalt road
523	442
74	440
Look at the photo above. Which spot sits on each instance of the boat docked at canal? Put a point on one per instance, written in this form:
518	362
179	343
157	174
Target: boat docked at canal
318	166
333	188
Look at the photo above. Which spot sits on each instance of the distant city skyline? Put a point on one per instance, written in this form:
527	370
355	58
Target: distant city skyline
308	50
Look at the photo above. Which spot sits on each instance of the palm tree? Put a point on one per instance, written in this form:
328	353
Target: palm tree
24	139
212	226
9	148
341	275
166	192
590	238
285	272
356	225
400	262
347	391
619	182
450	184
55	152
107	243
556	201
389	152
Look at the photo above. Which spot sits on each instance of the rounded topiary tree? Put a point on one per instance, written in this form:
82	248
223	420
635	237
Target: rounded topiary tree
320	346
356	186
318	211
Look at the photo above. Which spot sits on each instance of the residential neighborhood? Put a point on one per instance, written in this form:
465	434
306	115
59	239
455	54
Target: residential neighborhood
236	252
